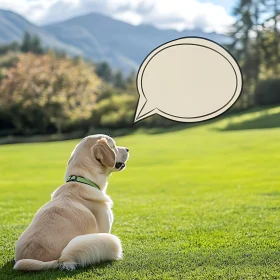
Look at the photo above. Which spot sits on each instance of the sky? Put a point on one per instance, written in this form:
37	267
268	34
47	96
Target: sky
208	15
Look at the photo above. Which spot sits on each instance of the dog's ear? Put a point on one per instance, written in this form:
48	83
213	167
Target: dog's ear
103	153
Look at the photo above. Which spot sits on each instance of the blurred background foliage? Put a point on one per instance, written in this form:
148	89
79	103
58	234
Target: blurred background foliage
256	46
45	91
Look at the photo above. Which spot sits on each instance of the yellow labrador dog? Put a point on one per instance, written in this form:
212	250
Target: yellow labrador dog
73	229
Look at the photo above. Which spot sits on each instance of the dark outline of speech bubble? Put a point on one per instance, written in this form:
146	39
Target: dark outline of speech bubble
187	37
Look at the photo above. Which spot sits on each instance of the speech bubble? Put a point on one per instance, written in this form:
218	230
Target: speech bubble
190	79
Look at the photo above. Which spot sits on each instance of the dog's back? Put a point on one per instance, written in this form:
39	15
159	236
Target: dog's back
53	226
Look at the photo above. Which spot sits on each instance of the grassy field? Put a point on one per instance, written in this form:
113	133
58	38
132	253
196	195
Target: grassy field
198	203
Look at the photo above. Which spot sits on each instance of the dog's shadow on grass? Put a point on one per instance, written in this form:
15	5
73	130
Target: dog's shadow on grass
8	271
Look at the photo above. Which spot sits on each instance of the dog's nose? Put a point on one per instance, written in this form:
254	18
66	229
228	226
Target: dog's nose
127	149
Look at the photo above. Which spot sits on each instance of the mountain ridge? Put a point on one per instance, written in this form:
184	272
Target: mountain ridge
13	26
98	37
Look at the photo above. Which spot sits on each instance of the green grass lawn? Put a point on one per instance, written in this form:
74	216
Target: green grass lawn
199	203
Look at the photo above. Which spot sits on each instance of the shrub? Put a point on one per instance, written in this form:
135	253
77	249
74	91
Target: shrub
6	121
114	112
268	92
65	91
29	119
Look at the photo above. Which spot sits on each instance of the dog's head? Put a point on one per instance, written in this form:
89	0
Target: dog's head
98	153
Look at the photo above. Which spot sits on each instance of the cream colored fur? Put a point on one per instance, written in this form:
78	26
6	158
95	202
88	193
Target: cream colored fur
73	229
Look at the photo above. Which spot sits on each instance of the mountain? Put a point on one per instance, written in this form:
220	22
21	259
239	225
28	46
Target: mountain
13	26
98	37
123	45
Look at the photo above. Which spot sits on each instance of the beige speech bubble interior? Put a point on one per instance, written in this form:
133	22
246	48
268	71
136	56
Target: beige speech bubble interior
188	80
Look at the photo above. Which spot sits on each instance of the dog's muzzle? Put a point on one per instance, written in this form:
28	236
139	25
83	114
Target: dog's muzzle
120	165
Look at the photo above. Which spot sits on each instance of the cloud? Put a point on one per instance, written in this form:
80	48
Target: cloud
178	14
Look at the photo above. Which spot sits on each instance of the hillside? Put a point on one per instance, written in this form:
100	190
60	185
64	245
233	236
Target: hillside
13	26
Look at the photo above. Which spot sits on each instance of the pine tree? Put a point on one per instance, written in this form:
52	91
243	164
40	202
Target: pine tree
36	46
26	43
31	44
119	81
272	36
247	44
105	72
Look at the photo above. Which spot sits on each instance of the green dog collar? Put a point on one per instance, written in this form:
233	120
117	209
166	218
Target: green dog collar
74	178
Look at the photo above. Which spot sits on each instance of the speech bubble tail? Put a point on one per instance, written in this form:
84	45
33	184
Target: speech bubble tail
147	110
141	103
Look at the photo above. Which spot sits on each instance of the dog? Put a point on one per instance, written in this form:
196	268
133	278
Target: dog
73	229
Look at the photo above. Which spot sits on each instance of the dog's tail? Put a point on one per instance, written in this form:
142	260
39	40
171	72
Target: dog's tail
29	264
80	251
